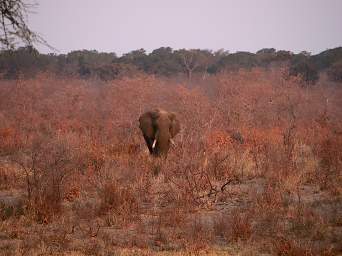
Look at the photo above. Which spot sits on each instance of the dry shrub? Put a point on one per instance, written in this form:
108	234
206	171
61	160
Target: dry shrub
264	147
198	235
293	247
119	201
329	152
241	226
173	216
268	210
286	247
11	207
221	226
93	158
46	163
235	227
305	161
271	200
217	140
10	140
9	176
77	150
304	222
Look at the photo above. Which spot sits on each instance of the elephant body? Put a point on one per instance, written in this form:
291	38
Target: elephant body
158	128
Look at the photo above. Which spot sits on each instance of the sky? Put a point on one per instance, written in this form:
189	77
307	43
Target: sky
121	26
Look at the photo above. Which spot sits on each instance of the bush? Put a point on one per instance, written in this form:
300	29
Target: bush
306	70
46	164
335	72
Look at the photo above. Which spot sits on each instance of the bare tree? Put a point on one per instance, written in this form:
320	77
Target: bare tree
194	60
13	24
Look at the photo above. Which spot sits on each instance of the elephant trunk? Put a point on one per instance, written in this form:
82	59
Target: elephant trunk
161	142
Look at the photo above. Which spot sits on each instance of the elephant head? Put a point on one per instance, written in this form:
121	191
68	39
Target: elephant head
158	128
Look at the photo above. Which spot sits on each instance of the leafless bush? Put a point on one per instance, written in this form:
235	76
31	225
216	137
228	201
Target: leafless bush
75	149
46	163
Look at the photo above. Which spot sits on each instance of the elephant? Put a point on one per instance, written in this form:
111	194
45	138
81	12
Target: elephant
159	127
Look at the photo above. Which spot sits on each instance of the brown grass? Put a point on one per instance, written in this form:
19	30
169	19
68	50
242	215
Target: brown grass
256	167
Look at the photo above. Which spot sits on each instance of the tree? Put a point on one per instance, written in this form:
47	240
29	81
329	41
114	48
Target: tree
306	69
163	61
335	72
139	58
266	56
84	69
25	61
194	59
217	56
236	61
327	58
207	60
266	51
305	53
284	55
13	25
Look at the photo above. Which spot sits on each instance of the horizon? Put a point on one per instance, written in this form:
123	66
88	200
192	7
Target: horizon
149	52
125	26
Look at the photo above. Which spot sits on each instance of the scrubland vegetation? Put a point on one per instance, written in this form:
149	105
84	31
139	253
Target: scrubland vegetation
255	170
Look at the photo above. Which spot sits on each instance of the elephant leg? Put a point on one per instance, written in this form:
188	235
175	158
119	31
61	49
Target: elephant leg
149	143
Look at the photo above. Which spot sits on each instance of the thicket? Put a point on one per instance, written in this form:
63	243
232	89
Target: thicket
257	165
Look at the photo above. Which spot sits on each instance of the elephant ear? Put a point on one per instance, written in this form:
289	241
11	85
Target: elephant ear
146	124
175	125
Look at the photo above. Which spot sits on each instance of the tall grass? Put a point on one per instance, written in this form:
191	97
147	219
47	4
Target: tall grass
258	162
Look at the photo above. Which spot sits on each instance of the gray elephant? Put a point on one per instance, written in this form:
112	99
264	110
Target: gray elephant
158	128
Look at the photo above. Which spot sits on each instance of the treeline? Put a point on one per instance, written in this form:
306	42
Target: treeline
164	61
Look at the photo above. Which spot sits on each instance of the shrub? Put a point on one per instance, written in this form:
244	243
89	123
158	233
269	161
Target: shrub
306	70
335	72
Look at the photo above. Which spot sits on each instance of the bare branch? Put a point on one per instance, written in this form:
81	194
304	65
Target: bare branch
13	25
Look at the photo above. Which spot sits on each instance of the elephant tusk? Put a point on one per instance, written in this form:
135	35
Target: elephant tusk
172	142
155	139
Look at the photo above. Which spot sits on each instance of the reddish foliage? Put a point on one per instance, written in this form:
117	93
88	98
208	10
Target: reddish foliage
77	149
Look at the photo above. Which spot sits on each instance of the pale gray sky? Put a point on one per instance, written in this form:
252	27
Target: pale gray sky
236	25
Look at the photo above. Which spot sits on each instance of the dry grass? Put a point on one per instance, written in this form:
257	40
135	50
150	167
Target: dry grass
256	168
